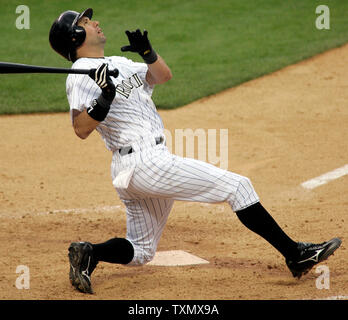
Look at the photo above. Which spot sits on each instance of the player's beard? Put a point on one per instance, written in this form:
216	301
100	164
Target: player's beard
98	41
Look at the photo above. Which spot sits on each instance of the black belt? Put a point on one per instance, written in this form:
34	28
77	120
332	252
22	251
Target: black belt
129	149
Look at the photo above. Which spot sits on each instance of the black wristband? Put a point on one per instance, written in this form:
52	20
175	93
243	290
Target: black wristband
99	108
149	56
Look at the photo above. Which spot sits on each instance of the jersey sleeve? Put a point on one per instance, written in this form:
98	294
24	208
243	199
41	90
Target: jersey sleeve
81	90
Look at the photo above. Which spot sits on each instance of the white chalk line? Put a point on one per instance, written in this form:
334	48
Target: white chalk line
310	184
82	210
325	178
79	211
64	211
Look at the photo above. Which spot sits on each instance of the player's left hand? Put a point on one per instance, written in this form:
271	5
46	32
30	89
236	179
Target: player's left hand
140	43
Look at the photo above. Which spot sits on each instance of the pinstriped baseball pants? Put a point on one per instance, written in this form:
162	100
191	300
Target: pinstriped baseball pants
157	179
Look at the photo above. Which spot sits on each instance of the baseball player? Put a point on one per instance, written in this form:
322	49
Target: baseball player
146	176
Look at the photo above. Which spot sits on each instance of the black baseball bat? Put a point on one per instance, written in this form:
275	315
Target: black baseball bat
9	67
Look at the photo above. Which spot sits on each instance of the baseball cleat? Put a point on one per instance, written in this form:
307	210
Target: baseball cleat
311	254
82	264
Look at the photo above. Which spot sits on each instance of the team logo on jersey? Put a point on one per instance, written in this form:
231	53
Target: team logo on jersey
126	86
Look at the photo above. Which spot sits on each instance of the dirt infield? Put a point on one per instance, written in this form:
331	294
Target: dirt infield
283	129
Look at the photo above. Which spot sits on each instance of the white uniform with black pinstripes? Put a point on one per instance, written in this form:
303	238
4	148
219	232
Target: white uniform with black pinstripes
158	177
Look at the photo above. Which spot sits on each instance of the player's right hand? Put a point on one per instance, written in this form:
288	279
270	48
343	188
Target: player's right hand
102	79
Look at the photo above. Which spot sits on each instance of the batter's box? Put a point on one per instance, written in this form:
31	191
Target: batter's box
175	258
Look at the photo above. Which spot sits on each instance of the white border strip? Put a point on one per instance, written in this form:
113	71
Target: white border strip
325	178
340	297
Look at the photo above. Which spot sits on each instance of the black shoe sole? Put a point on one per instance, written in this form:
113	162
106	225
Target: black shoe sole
75	276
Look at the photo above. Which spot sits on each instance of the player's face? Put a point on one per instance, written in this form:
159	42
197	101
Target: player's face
94	34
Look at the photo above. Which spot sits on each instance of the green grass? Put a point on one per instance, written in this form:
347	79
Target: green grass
210	45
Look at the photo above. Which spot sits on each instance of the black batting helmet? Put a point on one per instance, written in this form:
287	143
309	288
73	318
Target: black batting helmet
66	36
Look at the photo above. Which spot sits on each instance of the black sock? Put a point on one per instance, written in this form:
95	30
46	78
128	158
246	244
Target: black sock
257	219
116	250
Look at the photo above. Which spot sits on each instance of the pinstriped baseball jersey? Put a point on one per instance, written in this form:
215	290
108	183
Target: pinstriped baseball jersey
150	178
132	114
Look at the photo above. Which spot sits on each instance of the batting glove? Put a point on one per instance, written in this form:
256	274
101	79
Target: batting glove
102	79
140	43
100	107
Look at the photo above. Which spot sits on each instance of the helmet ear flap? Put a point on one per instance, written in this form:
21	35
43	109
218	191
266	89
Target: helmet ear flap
78	36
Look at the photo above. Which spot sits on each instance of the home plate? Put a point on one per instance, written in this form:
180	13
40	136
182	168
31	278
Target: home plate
175	258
